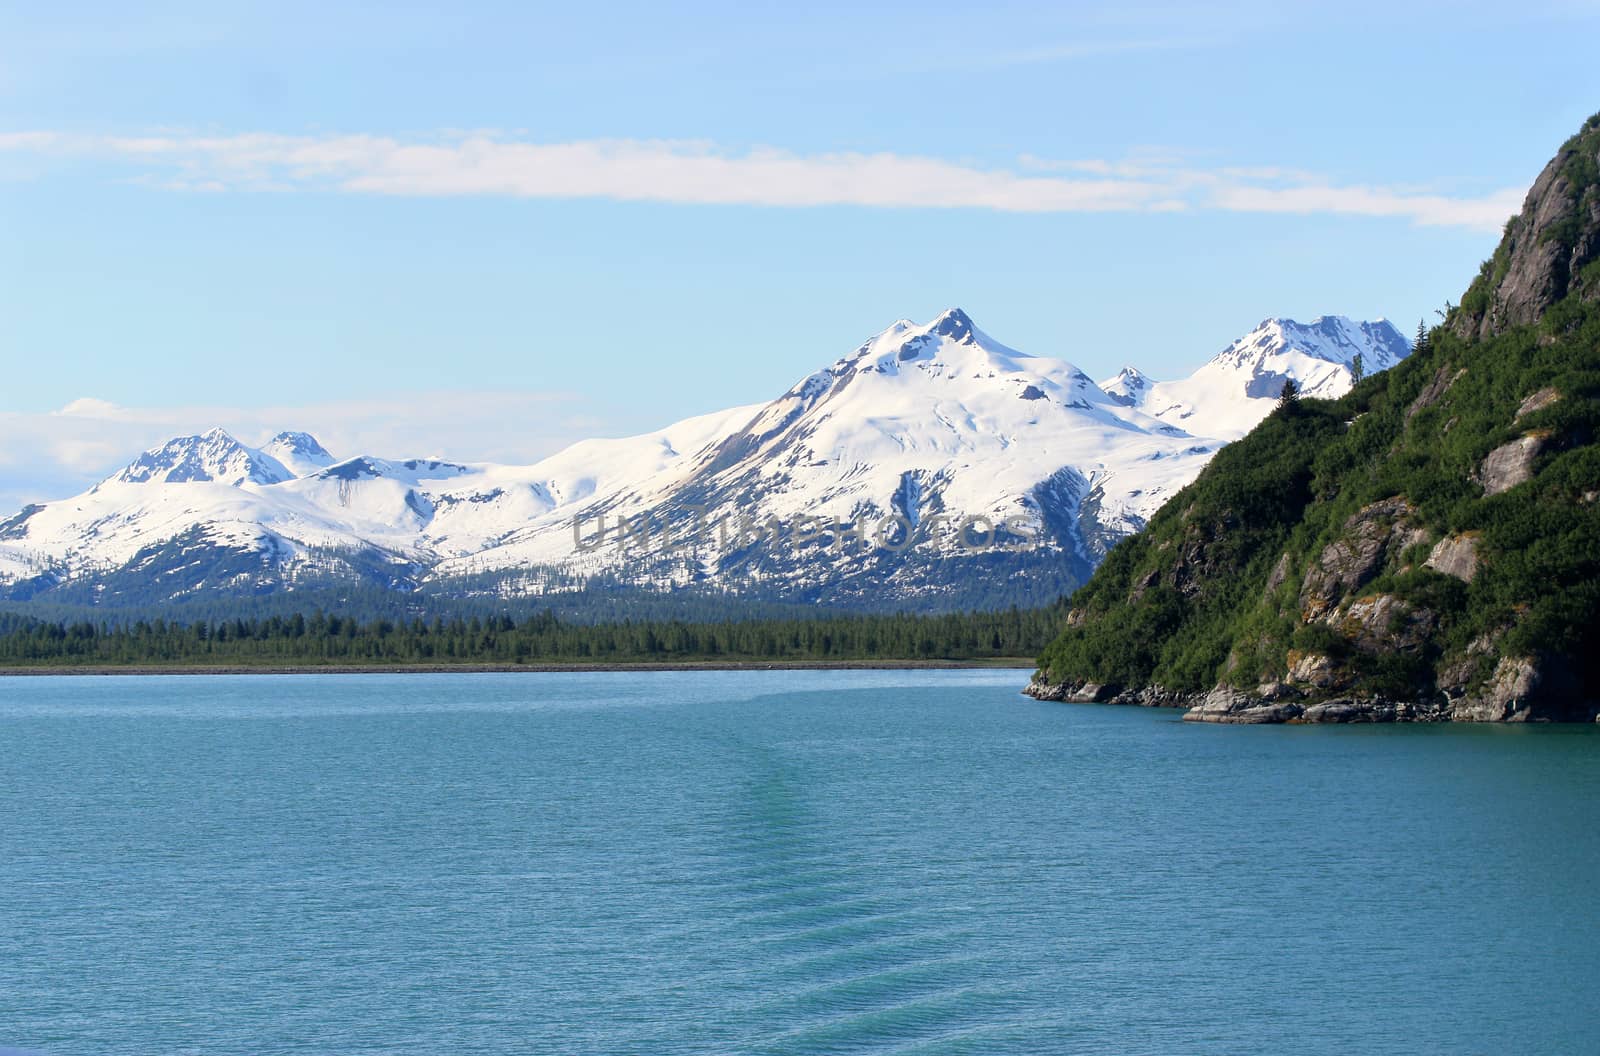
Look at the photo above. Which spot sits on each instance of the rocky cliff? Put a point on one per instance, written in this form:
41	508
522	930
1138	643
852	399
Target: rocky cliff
1426	548
1551	249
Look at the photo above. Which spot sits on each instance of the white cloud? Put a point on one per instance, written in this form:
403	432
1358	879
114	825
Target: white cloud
700	173
89	407
1488	213
60	453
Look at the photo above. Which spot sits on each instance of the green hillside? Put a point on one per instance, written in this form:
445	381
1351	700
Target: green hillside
1427	547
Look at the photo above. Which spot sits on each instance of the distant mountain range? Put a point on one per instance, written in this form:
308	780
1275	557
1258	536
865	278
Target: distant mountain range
931	468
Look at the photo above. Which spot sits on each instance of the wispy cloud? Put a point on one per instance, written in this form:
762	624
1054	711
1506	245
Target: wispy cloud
1281	189
1488	213
704	174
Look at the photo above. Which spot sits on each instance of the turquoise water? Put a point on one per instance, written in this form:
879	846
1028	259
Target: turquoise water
774	862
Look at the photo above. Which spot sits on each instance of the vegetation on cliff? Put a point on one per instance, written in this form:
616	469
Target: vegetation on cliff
1433	536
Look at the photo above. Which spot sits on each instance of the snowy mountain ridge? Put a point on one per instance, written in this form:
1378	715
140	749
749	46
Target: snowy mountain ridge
212	456
1227	396
931	465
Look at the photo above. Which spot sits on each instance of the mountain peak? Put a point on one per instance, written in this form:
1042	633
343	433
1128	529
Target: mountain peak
954	324
213	456
298	451
297	440
904	341
1335	339
1127	387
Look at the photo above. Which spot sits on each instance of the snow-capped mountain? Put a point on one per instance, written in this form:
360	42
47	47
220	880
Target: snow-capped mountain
920	429
932	465
1241	384
215	457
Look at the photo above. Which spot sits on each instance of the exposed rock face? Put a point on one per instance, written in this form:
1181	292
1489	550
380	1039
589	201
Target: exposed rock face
1221	707
1434	391
1369	537
1073	692
1383	623
1096	693
1312	669
1537	402
1278	576
1347	710
1510	464
1197	561
1547	245
1520	690
1232	706
1456	555
1509	696
1461	674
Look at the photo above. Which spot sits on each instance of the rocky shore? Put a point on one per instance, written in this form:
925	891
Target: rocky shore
1507	699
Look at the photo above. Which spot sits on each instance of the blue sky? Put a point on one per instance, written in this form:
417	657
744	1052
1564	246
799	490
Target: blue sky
601	218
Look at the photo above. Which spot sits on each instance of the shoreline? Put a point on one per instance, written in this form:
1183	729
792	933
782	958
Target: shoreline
1275	705
45	671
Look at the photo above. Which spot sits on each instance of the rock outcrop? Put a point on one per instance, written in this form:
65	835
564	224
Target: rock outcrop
1370	537
1455	555
1548	249
1099	693
1434	391
1510	464
1518	691
1538	401
1383	623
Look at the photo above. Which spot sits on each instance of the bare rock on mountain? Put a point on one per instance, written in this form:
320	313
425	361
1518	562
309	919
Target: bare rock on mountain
1434	391
1547	246
1312	669
1509	696
1510	464
1279	575
1384	623
1545	397
1370	536
1456	555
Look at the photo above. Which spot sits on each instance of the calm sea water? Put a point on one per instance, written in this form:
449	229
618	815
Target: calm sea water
775	862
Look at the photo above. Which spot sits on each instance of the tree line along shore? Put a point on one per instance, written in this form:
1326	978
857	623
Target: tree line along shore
322	641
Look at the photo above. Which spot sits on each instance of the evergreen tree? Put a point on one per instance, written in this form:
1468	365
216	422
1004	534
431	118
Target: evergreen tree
1358	368
1290	396
1420	345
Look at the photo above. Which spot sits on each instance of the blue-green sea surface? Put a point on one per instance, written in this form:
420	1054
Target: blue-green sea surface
775	862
